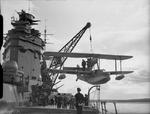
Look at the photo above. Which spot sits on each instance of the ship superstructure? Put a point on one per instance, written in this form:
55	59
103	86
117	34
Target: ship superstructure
22	56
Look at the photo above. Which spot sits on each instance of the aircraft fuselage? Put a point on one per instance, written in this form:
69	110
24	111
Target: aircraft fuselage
96	77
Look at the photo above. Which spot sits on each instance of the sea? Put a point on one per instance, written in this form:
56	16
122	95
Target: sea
129	108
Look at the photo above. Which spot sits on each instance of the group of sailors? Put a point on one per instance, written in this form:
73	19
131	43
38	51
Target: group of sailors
62	101
89	63
57	100
66	102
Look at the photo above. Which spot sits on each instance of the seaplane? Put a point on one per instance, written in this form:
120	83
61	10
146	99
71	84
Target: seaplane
88	74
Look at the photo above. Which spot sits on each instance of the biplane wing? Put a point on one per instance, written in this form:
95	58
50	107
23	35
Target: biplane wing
73	68
110	72
118	72
73	71
86	55
69	71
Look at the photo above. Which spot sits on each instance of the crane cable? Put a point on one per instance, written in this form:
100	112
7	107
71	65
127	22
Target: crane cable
29	6
91	46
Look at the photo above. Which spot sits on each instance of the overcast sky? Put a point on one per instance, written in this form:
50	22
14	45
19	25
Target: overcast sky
118	27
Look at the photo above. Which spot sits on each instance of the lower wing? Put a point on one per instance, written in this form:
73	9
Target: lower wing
118	72
69	71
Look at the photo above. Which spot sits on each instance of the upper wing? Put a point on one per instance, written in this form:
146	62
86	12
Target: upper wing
85	55
75	68
69	71
118	72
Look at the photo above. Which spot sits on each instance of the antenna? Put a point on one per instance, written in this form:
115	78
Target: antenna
45	35
45	32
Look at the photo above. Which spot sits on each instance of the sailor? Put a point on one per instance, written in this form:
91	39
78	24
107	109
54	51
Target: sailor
89	63
59	101
72	102
83	64
79	101
86	99
64	101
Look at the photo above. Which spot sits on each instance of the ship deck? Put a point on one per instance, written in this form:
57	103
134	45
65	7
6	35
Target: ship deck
50	110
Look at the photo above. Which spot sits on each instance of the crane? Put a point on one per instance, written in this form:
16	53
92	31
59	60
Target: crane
57	62
49	78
